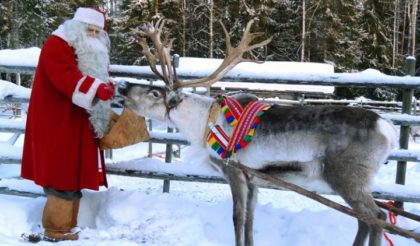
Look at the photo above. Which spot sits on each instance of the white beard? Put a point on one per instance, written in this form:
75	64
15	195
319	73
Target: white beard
93	60
92	57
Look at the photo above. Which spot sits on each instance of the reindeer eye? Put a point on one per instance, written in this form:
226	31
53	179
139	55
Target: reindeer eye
154	93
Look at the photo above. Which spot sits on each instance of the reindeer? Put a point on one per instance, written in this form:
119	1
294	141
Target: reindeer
341	146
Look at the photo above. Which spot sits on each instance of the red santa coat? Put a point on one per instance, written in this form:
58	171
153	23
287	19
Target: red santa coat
60	149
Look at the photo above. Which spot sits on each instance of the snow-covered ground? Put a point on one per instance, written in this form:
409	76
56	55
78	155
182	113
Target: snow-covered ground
135	211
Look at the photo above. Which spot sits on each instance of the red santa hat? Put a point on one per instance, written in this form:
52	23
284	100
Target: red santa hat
90	16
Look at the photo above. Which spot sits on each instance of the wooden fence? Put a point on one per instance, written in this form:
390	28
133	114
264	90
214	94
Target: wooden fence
403	155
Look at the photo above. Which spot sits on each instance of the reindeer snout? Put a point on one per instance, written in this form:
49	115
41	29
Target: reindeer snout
122	88
173	99
120	92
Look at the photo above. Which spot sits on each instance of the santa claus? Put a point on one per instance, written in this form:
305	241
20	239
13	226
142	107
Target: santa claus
68	112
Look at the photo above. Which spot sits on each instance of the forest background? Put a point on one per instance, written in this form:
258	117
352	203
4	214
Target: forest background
353	35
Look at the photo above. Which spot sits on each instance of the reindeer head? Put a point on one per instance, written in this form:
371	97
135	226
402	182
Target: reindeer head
151	101
160	100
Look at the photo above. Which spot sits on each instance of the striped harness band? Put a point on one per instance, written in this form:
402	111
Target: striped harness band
245	120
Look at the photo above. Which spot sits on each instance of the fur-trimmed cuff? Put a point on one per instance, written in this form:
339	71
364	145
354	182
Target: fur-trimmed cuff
85	98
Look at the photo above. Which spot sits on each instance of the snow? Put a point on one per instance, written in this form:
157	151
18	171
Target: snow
327	90
299	72
20	57
135	211
204	67
10	151
9	89
14	123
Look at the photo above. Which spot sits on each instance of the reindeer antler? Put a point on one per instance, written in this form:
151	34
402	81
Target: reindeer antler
161	50
234	55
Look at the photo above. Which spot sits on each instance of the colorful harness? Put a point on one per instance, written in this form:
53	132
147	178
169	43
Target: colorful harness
245	121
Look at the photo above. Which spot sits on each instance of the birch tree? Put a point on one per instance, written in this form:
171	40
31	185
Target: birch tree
412	30
302	51
395	32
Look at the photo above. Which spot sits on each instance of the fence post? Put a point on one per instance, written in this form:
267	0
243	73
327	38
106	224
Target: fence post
168	159
168	154
150	144
176	60
108	154
409	69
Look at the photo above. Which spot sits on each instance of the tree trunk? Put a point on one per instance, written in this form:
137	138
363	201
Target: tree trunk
14	28
184	27
395	32
404	27
311	11
413	26
211	28
156	7
112	7
302	51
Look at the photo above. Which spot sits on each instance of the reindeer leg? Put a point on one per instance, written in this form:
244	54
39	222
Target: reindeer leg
239	189
362	233
366	206
350	178
250	208
376	232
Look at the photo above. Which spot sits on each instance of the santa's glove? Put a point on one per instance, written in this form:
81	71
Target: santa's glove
105	91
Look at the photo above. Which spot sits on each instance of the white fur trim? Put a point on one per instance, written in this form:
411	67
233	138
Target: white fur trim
61	33
85	100
90	16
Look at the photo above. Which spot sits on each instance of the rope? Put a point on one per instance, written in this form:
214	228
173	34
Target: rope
392	219
398	211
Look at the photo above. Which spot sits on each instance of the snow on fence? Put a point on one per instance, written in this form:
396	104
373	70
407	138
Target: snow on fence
243	72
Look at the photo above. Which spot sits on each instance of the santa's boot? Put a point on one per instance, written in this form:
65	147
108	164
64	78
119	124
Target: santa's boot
75	213
60	219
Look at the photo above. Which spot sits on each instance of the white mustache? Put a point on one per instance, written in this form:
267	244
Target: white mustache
96	45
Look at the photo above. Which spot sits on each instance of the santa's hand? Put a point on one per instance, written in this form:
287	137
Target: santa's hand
105	91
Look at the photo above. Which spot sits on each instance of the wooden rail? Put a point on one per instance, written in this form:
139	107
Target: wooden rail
337	79
113	169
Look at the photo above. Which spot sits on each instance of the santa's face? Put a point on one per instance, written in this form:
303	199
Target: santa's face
92	31
91	45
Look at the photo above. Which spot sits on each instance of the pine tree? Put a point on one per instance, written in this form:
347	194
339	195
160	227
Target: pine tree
124	44
377	44
375	48
202	41
334	34
265	12
4	24
284	24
